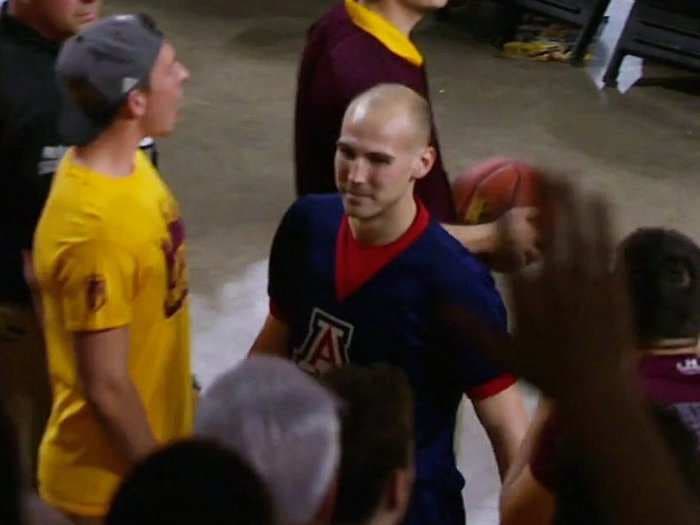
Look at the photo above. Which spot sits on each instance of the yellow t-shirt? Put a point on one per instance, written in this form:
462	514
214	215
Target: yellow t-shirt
109	252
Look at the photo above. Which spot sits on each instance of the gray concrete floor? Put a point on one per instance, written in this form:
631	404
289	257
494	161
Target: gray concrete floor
229	163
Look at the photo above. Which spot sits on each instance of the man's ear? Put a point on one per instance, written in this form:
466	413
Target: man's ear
426	160
136	103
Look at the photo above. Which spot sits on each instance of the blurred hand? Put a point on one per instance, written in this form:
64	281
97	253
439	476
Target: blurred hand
516	240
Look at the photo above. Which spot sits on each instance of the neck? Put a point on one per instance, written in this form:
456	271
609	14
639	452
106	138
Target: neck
388	226
112	153
672	346
32	17
404	18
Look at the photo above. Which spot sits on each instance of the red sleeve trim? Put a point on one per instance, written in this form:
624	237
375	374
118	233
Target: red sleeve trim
491	388
276	311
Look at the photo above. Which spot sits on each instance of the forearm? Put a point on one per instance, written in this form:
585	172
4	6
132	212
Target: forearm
635	474
505	443
506	421
478	238
529	442
524	500
123	417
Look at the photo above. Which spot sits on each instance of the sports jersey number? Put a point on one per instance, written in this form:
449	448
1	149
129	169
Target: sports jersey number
176	268
326	345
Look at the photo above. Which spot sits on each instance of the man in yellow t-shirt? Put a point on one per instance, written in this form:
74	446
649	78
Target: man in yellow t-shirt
110	262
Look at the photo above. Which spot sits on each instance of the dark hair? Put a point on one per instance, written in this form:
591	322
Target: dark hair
577	499
377	435
194	481
10	477
663	272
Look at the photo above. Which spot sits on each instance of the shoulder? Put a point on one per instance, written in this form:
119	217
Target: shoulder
88	204
316	208
452	255
311	218
144	168
341	45
332	29
458	276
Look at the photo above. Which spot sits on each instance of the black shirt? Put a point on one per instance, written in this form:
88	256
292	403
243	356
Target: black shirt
30	145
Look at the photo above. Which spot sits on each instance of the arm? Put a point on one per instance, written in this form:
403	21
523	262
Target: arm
286	260
477	238
508	243
273	339
102	359
530	441
505	420
524	500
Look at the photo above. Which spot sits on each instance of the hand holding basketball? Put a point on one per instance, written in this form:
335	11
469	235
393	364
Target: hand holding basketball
520	246
505	194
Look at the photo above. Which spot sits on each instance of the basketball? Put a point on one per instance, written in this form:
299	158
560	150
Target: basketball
491	188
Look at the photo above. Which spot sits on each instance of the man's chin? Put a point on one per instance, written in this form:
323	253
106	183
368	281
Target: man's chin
354	210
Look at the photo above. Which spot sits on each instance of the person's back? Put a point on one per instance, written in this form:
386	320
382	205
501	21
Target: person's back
110	262
349	50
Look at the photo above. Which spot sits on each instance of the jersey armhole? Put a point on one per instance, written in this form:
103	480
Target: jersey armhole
491	388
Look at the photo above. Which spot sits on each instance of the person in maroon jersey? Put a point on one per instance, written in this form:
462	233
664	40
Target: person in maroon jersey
355	46
663	279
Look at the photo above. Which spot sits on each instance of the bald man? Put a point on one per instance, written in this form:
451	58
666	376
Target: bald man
357	278
356	45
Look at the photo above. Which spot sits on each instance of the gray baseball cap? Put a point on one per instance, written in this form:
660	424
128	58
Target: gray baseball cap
99	67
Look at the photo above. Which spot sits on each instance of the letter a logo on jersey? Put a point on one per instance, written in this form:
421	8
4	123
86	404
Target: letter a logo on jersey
326	345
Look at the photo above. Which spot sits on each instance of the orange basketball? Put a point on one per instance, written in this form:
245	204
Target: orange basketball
492	187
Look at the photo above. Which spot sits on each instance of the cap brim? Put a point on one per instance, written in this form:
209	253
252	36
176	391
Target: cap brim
74	126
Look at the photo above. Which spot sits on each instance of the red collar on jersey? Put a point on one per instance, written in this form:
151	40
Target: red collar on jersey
356	264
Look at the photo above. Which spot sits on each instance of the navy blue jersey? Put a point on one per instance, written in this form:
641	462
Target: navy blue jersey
391	319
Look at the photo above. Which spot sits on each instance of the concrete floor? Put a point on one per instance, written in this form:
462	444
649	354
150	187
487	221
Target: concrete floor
230	161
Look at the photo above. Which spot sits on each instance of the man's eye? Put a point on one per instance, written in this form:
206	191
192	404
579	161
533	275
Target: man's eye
379	160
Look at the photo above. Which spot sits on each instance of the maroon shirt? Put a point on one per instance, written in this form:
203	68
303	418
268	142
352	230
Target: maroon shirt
671	381
341	61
